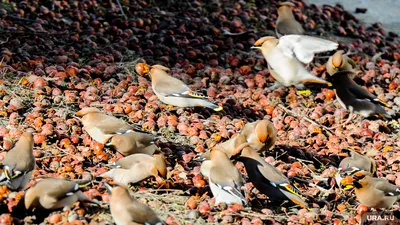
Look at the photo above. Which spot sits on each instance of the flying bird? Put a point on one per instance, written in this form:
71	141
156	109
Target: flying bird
285	57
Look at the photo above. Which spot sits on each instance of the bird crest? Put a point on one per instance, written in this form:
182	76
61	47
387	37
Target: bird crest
261	41
160	67
337	59
289	4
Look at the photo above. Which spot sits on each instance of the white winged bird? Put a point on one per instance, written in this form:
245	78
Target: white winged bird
174	92
286	56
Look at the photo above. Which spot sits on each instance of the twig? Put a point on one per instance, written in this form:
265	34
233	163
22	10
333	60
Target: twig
122	10
307	119
161	190
301	160
254	214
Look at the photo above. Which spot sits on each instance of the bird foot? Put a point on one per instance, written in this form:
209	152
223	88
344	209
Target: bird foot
275	86
301	87
304	92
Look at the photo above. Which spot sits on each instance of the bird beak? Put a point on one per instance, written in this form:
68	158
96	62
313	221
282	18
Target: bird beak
348	187
255	47
108	187
347	183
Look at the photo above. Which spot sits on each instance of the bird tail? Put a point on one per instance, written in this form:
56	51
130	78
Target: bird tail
210	105
294	195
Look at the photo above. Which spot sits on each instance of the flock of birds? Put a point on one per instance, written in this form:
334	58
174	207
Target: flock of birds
286	56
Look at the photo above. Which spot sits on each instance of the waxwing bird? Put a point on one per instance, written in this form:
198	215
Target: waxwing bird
354	98
372	192
137	167
224	178
286	55
339	62
268	180
261	134
102	127
355	162
229	147
286	23
52	194
125	210
174	92
361	162
19	163
133	142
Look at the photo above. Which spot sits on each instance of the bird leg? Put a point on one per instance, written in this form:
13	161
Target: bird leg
351	115
301	86
350	118
275	86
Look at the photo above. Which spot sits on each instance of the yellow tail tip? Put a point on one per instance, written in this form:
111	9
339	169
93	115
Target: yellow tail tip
329	84
304	92
384	103
218	109
348	187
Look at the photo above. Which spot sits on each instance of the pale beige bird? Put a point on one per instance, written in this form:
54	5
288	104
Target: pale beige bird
286	55
226	182
228	146
133	142
286	23
137	167
269	180
52	194
339	62
102	127
19	163
372	192
174	92
261	135
126	210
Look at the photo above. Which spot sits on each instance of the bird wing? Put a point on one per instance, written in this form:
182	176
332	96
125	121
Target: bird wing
225	182
362	94
61	188
277	179
141	213
388	188
173	87
304	47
